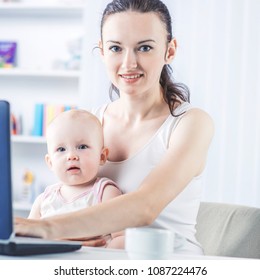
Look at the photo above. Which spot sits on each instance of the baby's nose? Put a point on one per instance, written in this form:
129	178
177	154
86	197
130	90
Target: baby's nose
73	157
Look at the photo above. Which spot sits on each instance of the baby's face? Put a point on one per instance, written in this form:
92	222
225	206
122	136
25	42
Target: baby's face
74	150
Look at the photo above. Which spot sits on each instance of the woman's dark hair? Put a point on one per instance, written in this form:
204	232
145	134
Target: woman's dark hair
172	92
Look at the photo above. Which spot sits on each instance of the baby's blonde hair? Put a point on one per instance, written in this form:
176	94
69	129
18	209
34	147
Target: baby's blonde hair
77	114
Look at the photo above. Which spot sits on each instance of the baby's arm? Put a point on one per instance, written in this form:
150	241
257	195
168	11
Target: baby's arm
117	243
118	238
110	192
35	212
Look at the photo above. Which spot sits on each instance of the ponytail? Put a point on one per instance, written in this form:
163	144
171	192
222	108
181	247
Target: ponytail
173	93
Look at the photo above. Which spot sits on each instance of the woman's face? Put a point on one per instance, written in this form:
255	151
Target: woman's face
135	49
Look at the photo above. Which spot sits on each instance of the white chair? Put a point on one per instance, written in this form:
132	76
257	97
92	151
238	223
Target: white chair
229	230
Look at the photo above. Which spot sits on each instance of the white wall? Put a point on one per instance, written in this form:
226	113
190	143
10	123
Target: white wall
218	58
94	83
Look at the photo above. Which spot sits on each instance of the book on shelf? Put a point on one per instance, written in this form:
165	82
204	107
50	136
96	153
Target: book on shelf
16	124
8	54
38	120
44	114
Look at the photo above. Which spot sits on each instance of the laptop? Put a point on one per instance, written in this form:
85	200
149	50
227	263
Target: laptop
9	243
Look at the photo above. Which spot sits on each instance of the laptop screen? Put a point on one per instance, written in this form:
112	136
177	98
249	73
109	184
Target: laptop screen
6	220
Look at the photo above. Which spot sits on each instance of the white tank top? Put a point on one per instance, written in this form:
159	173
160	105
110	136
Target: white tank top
179	215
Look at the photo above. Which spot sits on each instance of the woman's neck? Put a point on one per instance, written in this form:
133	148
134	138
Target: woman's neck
141	107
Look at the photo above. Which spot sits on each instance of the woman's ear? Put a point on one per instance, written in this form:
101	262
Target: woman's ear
103	156
171	51
48	161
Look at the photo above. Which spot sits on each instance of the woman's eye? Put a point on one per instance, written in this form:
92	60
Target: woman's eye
145	48
115	49
83	147
60	149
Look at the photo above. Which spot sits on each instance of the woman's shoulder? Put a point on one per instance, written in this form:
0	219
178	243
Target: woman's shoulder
187	113
194	122
99	111
199	116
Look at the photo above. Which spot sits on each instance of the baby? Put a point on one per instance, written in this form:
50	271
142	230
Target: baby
75	152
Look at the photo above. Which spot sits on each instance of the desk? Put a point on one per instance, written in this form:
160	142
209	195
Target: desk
94	253
42	267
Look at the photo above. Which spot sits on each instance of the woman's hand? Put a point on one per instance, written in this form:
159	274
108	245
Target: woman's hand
31	227
38	228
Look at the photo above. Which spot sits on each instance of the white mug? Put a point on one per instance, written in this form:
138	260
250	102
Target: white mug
145	243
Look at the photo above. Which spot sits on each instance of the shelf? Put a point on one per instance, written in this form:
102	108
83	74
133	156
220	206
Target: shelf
22	206
41	8
31	25
16	72
28	139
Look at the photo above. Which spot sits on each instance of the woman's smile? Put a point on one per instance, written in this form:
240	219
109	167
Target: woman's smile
131	78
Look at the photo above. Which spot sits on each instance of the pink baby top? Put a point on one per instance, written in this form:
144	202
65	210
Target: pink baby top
53	203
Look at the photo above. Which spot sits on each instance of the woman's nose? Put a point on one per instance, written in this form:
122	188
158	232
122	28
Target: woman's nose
129	60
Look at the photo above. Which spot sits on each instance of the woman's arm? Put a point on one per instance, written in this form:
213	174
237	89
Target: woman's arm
184	160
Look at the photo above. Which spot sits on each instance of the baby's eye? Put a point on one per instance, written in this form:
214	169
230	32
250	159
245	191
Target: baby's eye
82	147
61	149
145	48
115	49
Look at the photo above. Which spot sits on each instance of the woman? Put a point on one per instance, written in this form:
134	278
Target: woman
158	143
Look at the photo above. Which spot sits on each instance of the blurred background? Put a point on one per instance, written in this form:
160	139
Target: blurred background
57	66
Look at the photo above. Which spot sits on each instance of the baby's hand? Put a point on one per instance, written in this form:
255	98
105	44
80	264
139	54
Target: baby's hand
98	241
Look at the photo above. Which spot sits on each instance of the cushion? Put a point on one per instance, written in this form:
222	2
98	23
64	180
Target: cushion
229	230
